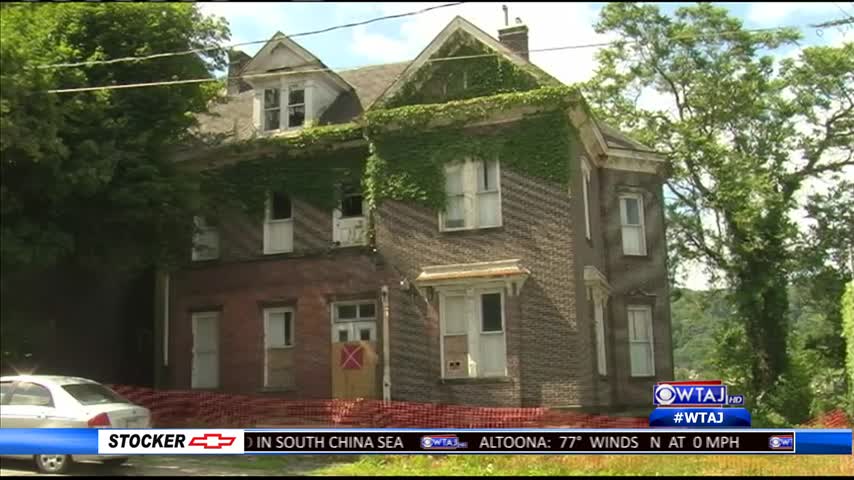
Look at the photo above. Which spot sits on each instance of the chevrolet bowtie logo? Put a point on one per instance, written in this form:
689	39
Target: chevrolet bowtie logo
212	440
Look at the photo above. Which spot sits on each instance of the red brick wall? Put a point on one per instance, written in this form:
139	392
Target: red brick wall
242	289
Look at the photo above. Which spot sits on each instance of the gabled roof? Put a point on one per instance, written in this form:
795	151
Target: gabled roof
459	24
364	87
311	62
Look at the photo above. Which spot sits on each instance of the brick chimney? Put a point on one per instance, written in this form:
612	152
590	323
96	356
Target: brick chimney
515	38
237	59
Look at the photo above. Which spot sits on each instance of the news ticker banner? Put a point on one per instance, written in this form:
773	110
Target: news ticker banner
84	441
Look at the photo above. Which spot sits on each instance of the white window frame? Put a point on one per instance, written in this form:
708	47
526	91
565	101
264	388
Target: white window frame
585	191
265	109
474	327
268	220
601	344
471	195
354	326
267	346
646	310
203	229
286	105
284	86
640	228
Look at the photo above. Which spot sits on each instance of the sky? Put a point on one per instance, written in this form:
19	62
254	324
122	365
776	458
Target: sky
549	24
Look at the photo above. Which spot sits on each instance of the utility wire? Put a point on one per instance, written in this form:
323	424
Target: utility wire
439	59
218	47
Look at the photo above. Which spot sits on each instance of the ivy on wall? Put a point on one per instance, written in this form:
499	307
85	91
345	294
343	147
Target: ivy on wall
403	152
478	72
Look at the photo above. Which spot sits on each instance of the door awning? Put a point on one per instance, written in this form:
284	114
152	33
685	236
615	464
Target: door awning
508	271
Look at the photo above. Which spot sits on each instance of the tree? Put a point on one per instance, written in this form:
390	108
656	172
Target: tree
743	135
86	177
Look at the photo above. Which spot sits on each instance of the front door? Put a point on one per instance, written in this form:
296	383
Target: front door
354	350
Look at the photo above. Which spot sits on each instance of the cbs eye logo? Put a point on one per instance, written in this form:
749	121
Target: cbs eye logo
426	442
664	394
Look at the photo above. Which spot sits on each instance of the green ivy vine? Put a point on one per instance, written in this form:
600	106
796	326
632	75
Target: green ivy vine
479	72
410	166
399	153
311	178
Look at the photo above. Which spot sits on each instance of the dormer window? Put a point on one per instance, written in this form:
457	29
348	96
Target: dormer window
272	109
296	107
282	108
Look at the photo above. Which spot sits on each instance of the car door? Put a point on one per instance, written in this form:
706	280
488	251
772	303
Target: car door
28	405
6	387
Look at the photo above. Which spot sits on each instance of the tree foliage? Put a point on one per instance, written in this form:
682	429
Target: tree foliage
741	133
87	176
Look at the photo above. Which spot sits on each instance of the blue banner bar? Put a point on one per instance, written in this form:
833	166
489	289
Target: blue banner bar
700	417
48	441
85	441
823	442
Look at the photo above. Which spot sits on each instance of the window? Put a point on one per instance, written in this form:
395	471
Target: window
354	321
351	201
5	390
205	241
278	327
205	369
296	107
473	333
641	352
278	343
30	394
473	196
631	219
280	208
93	394
281	108
585	190
599	324
272	109
278	225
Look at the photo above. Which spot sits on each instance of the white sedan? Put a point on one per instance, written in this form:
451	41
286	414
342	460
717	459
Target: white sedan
46	401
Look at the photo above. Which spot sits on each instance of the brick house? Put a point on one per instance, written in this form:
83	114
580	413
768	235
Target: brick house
520	292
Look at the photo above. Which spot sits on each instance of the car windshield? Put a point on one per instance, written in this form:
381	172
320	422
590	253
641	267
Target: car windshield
93	394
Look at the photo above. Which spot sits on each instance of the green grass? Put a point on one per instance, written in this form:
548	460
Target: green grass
518	465
594	465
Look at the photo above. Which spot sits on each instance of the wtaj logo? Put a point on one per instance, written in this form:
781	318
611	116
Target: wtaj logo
442	442
697	393
781	442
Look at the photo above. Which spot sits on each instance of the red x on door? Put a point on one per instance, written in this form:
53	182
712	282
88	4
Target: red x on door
352	357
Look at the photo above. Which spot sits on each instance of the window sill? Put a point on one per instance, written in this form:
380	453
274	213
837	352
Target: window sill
273	254
204	261
277	389
461	231
475	381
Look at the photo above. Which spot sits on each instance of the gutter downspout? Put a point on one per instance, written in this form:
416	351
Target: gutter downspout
386	365
166	321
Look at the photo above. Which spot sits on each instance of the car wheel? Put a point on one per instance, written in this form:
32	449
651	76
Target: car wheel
114	462
53	463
